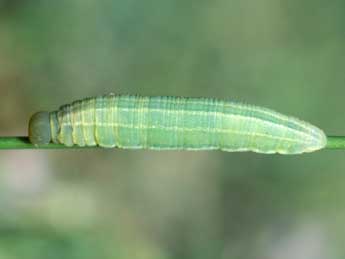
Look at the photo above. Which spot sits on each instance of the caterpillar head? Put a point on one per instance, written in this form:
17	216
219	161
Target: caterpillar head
39	128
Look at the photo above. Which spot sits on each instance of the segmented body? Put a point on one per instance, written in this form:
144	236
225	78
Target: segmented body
181	123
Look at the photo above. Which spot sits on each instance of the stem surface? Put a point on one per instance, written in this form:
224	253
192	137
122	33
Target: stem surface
24	143
333	142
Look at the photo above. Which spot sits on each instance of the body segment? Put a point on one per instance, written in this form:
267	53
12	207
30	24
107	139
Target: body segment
165	123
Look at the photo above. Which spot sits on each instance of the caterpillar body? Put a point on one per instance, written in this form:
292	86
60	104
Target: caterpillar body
174	123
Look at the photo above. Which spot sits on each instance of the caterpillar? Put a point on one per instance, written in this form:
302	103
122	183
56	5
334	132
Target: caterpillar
174	123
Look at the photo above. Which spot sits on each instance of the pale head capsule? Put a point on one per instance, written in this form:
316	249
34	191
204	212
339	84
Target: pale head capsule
39	128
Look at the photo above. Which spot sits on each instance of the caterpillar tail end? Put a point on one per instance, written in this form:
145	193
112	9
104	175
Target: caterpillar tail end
39	128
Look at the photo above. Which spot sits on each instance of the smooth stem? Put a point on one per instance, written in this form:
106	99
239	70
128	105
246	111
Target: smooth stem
335	142
24	143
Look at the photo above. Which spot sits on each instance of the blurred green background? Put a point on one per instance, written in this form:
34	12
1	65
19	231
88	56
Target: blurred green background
286	55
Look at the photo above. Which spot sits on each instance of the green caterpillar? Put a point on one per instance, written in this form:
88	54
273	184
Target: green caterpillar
174	123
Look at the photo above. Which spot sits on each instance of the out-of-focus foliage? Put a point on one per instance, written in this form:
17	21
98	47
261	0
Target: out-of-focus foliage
286	55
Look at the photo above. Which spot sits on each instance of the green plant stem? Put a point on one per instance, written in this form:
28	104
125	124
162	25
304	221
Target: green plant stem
333	142
24	143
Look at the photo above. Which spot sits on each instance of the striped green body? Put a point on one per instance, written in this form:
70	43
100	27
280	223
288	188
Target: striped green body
181	123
